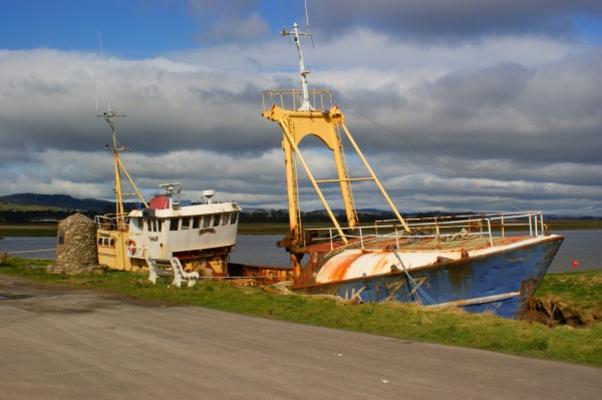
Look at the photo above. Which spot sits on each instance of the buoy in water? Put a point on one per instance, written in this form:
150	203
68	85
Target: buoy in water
575	264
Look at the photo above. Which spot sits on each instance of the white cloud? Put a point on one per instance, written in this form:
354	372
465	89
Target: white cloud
505	120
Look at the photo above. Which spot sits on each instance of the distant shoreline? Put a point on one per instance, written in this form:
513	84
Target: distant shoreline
267	228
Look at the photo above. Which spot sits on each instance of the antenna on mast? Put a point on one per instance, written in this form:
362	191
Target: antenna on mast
99	39
120	169
116	148
307	25
108	116
281	15
303	71
105	85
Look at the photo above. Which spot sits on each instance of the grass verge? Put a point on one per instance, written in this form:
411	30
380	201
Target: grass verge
28	229
273	228
580	290
570	224
402	321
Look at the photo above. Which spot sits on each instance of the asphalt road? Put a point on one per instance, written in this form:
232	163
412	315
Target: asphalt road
66	344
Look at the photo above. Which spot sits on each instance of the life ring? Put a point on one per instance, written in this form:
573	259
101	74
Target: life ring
131	247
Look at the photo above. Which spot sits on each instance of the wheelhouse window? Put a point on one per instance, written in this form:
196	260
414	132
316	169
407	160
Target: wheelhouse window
186	223
206	221
215	220
173	224
154	225
196	222
137	222
233	218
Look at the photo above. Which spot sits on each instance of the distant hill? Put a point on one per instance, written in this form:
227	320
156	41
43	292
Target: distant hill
55	201
32	207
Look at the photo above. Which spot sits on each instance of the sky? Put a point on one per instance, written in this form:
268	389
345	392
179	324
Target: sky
480	105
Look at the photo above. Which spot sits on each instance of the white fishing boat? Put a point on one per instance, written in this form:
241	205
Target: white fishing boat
193	238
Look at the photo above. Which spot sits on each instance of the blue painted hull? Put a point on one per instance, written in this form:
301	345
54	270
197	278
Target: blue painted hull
489	283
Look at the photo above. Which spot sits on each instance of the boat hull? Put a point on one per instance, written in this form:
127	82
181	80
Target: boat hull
499	282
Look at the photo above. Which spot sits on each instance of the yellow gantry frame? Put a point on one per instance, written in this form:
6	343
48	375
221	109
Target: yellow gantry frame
324	124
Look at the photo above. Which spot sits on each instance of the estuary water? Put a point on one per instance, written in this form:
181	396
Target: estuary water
585	246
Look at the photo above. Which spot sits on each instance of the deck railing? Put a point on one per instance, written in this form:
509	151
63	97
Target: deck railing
109	222
444	228
291	99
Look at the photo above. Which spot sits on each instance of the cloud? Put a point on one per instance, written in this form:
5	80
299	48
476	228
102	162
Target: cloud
229	21
506	122
364	47
426	21
244	29
434	20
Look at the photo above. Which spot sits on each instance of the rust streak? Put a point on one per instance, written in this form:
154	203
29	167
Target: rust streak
381	263
340	269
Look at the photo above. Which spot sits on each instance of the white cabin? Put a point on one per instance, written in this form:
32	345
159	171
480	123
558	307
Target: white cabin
165	230
171	228
199	234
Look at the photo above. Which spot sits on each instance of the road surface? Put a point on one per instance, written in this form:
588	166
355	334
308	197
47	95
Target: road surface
58	343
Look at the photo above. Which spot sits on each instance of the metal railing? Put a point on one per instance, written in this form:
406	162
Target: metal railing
291	99
109	222
443	228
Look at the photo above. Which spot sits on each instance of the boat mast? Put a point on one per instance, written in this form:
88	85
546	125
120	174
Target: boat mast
324	121
303	71
118	169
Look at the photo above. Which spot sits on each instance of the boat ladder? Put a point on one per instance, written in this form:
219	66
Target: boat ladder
174	268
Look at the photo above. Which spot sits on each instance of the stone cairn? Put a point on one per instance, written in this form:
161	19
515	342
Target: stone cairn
76	246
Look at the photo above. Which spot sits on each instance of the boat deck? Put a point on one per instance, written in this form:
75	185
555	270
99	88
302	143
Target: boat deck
473	242
467	243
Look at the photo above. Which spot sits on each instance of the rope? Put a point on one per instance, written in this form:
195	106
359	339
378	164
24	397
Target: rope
428	298
387	130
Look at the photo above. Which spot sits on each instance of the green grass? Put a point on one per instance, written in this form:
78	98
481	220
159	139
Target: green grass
262	228
28	229
582	290
280	228
402	321
273	228
27	207
570	224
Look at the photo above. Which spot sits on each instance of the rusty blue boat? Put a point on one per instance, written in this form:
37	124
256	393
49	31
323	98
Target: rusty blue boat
481	262
448	262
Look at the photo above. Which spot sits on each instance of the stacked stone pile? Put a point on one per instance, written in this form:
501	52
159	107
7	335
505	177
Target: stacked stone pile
76	246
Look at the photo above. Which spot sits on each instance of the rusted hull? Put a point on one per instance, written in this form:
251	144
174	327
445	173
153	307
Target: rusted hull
261	274
500	282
